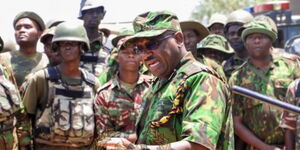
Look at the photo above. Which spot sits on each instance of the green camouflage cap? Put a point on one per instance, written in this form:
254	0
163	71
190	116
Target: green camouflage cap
123	32
259	27
151	24
31	15
216	42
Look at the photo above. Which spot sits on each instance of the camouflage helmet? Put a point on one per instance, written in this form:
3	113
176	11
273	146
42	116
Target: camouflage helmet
217	18
216	42
71	31
238	17
259	27
268	20
89	4
123	33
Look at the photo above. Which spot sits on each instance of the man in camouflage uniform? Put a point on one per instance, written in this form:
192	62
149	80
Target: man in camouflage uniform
118	102
60	99
189	106
290	121
194	32
255	122
92	12
12	115
28	28
216	24
235	21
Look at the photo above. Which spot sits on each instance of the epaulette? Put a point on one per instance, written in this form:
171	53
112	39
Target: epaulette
104	86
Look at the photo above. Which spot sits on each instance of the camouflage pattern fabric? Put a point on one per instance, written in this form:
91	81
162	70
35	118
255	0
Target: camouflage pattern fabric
291	121
23	65
95	60
233	63
117	107
206	118
19	119
212	64
260	118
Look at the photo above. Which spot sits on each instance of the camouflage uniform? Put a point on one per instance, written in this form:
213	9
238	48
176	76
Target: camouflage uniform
117	107
23	65
233	63
197	123
95	59
289	120
260	118
212	64
12	115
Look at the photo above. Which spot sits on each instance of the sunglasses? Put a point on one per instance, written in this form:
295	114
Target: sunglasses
144	45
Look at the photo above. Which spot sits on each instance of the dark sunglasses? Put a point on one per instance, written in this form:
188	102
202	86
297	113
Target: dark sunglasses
148	44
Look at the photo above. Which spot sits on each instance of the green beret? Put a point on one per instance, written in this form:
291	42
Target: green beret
31	15
259	27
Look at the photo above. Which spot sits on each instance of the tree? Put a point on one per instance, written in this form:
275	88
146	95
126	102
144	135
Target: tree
206	8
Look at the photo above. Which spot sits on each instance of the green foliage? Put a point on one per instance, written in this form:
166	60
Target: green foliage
206	8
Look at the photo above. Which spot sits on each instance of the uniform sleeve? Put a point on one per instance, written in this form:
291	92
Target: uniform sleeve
104	125
35	91
23	127
289	119
205	111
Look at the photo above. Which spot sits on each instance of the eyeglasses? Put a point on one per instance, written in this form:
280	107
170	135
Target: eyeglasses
142	46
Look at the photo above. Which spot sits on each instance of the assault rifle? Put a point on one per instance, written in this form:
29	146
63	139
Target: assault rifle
274	102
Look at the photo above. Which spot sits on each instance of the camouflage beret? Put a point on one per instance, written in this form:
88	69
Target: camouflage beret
259	27
124	32
216	42
152	24
31	15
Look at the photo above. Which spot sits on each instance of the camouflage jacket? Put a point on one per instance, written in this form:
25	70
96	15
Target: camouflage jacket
117	107
213	64
260	118
232	64
291	121
206	109
11	103
96	58
22	65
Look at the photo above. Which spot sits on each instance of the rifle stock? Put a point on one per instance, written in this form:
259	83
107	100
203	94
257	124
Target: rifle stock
274	102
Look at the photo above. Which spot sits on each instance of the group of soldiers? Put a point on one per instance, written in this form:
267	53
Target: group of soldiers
165	84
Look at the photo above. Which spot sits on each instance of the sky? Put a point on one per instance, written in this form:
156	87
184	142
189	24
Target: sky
117	10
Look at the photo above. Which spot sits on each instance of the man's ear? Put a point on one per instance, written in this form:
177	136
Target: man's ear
179	38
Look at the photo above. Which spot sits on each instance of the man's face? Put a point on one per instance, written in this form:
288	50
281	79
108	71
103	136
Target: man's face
53	57
190	40
69	50
233	37
214	55
258	45
93	17
26	31
128	60
217	28
160	54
